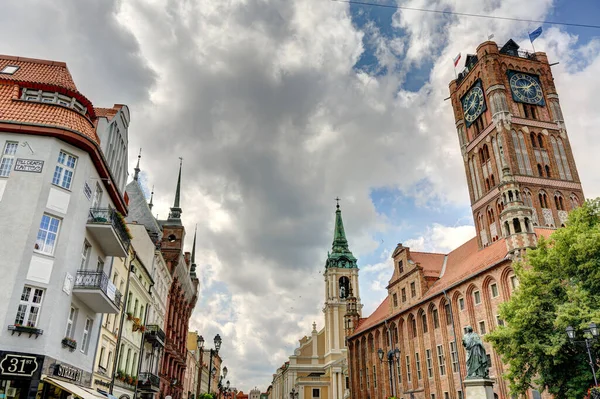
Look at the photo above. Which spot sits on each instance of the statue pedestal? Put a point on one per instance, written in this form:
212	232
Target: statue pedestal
479	388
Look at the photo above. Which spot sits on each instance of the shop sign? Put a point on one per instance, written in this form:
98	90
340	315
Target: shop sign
16	365
70	373
29	165
102	383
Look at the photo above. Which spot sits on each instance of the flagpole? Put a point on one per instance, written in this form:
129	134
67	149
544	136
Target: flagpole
533	47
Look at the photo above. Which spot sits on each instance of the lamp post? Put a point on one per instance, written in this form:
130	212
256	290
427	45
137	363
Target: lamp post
593	331
392	354
217	342
221	385
200	342
294	394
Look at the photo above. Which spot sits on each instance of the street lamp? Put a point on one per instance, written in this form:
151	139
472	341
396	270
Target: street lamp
593	331
217	342
392	354
294	394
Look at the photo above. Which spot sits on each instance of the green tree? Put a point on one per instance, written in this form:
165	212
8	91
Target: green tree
559	286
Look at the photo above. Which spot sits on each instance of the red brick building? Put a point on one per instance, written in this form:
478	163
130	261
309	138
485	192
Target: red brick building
522	182
181	300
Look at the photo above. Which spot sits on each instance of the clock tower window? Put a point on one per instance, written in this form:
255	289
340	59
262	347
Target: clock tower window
529	111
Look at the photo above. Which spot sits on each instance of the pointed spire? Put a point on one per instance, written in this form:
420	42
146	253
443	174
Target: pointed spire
137	168
340	255
193	268
150	205
176	210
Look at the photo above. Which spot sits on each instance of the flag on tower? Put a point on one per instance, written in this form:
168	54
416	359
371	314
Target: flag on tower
456	59
535	34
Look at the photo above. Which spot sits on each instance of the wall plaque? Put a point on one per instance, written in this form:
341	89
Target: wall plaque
16	365
29	165
70	373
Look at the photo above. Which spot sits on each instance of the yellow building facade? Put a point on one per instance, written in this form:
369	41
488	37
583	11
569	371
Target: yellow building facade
318	368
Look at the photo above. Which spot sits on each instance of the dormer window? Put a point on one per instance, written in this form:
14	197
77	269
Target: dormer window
50	97
9	69
400	267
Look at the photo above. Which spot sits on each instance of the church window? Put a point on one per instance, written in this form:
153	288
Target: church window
540	171
547	170
543	199
563	157
557	157
499	206
574	201
540	141
395	334
403	294
518	152
558	200
436	319
414	328
533	140
413	289
424	320
395	296
344	285
400	266
448	312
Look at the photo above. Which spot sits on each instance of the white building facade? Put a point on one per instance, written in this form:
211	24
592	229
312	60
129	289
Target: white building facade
61	210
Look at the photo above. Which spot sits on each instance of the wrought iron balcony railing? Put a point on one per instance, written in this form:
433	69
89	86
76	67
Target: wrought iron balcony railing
155	334
109	216
98	280
148	381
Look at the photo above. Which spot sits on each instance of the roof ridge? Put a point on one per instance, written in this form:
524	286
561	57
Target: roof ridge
429	253
33	60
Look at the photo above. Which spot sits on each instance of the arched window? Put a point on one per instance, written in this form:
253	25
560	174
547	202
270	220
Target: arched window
558	201
540	141
517	225
499	206
543	199
533	141
547	170
506	229
557	157
563	157
540	171
493	181
574	201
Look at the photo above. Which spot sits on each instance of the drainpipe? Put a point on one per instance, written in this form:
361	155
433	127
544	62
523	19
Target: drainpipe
455	343
117	354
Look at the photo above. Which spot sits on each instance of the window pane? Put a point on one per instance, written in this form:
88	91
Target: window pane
26	293
61	157
6	166
33	314
71	162
57	173
20	314
37	296
66	183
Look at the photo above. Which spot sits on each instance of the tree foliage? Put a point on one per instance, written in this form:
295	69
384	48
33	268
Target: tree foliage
559	287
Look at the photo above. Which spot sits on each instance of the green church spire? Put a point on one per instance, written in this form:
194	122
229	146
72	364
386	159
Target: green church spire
340	255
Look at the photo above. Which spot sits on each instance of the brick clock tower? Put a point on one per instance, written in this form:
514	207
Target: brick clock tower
518	160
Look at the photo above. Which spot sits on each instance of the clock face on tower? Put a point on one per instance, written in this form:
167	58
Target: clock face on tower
525	88
473	103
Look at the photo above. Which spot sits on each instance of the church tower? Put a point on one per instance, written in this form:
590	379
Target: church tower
341	276
520	169
173	230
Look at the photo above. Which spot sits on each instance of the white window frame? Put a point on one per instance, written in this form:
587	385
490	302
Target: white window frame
71	317
494	290
429	361
8	157
476	297
85	254
454	356
27	304
85	336
441	360
64	171
44	233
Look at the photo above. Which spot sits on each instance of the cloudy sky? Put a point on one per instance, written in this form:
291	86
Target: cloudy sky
279	106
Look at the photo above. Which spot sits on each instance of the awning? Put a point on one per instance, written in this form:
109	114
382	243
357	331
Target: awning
76	390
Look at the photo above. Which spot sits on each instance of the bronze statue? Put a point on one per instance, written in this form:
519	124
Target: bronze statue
477	364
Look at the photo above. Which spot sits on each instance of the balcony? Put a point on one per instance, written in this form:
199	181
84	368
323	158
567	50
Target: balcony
155	335
109	230
148	382
95	290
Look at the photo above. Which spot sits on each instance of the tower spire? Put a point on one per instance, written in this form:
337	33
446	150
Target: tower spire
340	255
150	204
137	167
193	267
176	210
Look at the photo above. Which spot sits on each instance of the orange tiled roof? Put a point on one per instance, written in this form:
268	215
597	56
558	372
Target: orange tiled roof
461	263
382	311
430	262
12	109
108	113
38	71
